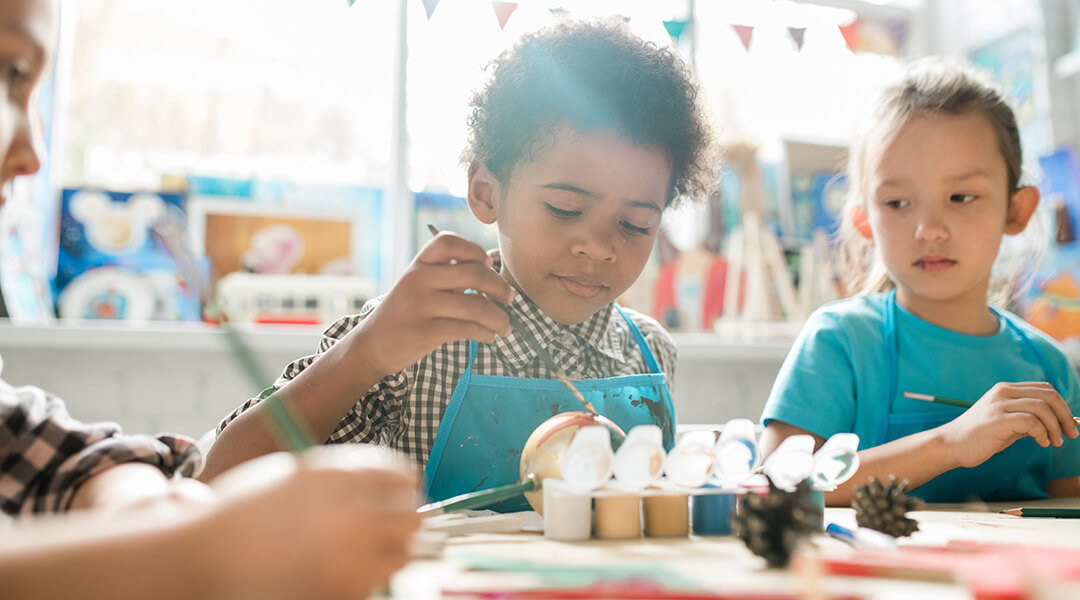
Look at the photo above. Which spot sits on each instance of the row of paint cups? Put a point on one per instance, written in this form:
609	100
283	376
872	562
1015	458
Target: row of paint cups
703	476
570	515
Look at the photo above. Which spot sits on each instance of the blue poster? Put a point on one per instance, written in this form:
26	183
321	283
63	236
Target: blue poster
109	265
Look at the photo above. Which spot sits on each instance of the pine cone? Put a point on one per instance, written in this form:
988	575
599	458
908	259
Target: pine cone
884	507
772	525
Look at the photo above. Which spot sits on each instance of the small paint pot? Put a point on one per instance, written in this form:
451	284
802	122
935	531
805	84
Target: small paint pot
817	498
567	513
617	516
712	509
666	514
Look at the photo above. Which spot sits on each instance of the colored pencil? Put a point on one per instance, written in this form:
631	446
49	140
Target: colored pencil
531	342
951	401
1046	512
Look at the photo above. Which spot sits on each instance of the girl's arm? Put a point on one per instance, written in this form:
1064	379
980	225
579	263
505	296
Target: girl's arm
1008	412
918	458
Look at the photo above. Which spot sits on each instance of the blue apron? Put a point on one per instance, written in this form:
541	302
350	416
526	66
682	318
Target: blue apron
1022	465
489	418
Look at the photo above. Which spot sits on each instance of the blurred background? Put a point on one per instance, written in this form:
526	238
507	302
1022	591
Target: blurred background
300	149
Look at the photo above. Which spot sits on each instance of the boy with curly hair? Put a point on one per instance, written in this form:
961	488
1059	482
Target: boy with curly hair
581	139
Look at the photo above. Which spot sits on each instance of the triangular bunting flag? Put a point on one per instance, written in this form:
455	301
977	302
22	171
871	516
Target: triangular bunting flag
429	6
851	34
675	28
350	2
503	10
797	34
559	13
899	30
746	33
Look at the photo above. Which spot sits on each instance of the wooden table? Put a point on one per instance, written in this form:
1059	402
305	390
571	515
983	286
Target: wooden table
488	562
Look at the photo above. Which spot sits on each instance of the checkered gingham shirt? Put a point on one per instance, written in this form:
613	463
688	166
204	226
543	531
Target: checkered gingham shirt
404	409
45	455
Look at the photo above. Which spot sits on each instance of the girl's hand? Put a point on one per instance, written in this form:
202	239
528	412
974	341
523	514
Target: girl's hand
1006	413
335	523
427	307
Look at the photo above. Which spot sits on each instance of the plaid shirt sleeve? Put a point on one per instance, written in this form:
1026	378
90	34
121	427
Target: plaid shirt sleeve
45	455
374	417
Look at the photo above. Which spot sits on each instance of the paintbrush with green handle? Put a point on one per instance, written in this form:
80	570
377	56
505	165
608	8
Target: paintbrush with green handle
291	433
951	401
481	498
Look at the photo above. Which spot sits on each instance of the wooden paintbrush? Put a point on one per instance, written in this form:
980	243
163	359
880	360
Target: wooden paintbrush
951	401
523	332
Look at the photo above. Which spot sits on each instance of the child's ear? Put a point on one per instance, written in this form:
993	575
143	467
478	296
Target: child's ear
483	191
861	221
1024	202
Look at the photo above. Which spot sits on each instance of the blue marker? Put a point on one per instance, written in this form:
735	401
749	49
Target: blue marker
862	537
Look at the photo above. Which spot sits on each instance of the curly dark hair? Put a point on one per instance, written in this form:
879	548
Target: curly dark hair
591	75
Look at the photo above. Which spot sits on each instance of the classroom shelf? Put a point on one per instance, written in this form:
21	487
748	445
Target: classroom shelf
159	336
712	347
201	337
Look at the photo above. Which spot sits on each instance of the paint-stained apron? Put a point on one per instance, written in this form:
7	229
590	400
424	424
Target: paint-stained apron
489	418
1022	457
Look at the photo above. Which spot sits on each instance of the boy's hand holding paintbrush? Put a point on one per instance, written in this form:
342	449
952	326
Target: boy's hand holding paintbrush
427	307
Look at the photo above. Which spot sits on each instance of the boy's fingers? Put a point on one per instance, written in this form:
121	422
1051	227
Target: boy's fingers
450	330
471	308
469	275
447	247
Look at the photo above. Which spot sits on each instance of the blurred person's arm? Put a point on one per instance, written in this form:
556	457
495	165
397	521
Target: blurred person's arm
334	523
48	456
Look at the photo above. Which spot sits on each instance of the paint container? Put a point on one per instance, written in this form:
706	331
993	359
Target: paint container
617	515
791	463
817	498
834	463
712	508
736	453
690	462
586	463
667	513
567	513
640	459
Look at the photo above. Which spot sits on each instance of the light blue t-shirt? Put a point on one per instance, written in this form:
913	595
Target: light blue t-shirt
836	377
